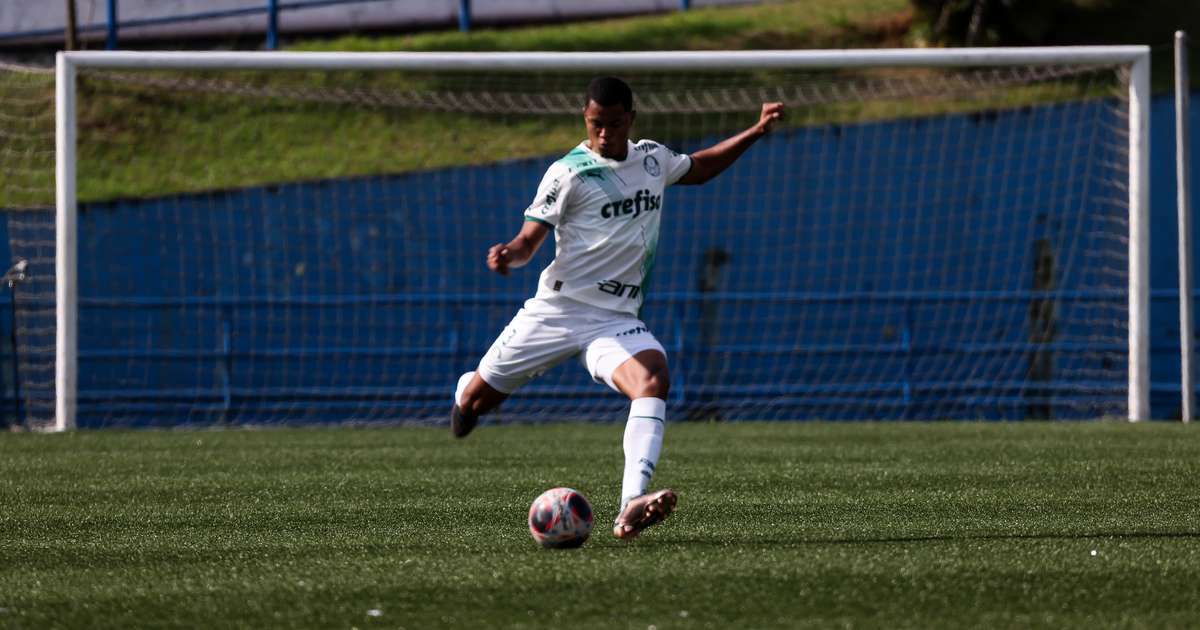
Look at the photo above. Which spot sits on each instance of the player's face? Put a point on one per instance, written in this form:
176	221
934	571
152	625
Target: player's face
608	129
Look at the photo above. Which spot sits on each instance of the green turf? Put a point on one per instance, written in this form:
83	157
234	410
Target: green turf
144	142
779	525
139	142
184	133
772	25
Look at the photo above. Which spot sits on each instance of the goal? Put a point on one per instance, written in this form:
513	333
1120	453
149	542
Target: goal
299	237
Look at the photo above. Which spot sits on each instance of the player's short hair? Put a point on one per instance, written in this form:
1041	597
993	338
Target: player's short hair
606	91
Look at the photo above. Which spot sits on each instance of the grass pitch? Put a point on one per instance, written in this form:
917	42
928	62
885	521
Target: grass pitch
779	525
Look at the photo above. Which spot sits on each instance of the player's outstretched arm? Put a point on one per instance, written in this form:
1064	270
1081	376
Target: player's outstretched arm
708	163
514	254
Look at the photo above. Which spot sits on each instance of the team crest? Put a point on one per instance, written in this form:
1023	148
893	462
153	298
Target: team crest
651	166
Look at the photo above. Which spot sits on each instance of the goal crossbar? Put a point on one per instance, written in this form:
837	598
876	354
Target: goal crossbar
628	61
1137	58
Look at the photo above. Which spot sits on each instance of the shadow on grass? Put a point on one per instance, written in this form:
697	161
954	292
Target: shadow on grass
804	542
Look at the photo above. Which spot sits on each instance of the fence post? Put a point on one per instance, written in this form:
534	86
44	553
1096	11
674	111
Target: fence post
464	15
111	42
72	27
272	24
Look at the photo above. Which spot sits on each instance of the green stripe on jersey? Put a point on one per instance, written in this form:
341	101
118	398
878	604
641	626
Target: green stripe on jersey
542	221
651	253
586	166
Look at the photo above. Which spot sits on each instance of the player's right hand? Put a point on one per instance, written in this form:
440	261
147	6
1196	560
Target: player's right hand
497	259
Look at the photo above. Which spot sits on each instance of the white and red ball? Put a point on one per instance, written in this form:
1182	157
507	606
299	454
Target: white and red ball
561	518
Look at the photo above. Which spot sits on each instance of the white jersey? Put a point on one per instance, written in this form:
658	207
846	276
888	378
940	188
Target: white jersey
605	214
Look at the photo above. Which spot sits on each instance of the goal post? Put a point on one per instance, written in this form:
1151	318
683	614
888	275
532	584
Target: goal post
1132	61
66	261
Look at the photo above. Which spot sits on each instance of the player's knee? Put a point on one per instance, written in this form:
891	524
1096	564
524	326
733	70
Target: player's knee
477	397
461	396
475	405
657	382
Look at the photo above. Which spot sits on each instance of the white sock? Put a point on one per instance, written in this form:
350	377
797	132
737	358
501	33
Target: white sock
643	442
463	381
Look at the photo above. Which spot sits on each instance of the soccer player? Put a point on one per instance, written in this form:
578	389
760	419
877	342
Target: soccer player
604	201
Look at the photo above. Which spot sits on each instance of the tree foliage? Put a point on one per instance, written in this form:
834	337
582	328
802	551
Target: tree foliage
1054	22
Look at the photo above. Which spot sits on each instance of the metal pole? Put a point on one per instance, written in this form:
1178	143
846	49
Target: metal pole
464	15
111	42
66	267
1139	239
18	413
1183	158
626	61
272	24
14	277
72	27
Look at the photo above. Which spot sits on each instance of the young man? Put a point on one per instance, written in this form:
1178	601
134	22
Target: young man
603	200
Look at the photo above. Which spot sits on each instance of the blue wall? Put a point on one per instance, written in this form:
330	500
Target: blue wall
804	321
1164	251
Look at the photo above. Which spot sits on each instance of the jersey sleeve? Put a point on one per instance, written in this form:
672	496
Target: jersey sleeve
677	165
551	199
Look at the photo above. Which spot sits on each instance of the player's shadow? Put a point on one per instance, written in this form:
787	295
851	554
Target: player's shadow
805	542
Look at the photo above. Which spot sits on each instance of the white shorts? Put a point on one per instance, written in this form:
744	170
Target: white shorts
547	332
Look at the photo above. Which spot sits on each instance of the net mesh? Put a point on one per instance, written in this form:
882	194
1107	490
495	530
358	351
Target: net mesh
27	201
308	246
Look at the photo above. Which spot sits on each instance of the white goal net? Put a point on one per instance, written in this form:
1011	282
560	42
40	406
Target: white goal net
300	238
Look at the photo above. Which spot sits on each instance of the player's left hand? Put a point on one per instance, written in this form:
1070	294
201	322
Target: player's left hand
771	112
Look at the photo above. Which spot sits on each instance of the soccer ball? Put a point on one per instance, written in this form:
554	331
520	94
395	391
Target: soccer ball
561	518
